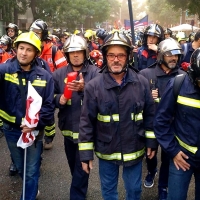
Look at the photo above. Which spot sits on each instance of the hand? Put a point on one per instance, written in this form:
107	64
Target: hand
153	47
155	93
86	167
77	85
179	161
63	100
26	129
150	153
135	49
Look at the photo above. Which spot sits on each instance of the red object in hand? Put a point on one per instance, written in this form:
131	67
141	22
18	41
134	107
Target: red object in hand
185	66
70	77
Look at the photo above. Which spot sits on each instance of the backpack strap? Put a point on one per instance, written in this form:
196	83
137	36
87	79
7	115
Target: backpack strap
177	84
54	50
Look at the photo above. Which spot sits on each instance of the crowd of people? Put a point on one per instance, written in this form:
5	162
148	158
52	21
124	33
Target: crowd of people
119	110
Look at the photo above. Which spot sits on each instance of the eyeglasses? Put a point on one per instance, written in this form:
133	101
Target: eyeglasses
112	57
11	30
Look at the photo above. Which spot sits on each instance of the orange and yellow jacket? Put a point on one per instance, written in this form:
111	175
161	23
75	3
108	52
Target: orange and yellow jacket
59	59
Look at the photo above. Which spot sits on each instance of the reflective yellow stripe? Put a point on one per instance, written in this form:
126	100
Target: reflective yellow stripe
136	117
157	100
86	146
50	127
69	102
107	118
118	156
188	102
40	83
13	79
9	118
1	123
47	133
186	146
70	134
149	134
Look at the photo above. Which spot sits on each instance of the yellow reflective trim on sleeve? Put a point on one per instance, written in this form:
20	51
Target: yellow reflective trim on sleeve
119	156
188	102
12	78
157	100
1	123
86	146
40	83
107	118
70	134
69	102
136	117
7	117
47	133
149	134
50	127
186	146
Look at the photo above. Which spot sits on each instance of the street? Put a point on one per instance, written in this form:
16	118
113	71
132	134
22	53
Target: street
55	177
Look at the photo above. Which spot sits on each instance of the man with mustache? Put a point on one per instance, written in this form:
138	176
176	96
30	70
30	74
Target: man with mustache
116	121
169	53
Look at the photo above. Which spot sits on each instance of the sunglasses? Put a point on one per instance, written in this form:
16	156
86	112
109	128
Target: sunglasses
11	30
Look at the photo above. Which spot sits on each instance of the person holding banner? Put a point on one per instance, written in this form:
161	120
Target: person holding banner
14	78
69	84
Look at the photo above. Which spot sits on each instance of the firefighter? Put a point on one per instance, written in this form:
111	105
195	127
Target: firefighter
14	76
75	48
116	121
55	59
147	53
177	126
167	33
169	53
12	30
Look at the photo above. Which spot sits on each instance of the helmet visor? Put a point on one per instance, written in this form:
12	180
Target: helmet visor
173	52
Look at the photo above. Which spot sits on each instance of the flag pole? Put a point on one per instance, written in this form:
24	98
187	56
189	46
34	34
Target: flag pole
24	175
132	32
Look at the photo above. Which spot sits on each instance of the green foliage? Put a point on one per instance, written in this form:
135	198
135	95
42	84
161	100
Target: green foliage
162	11
192	5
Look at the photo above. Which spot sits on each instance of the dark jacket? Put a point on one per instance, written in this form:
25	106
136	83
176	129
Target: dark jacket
146	57
11	108
157	78
116	120
69	114
183	131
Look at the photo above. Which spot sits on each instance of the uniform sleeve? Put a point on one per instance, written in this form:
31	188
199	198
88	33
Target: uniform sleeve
60	59
47	110
87	124
163	121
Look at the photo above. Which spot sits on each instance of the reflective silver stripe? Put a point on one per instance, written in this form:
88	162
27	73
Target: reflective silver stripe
188	101
149	134
70	134
119	156
57	62
9	118
186	146
86	146
107	118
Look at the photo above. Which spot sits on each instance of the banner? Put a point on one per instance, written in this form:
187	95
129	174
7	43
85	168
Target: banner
137	23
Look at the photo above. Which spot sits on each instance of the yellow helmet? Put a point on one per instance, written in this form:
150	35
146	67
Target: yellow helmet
76	32
30	38
88	34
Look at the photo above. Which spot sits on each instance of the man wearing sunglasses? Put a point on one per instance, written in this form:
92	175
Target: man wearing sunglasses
116	121
12	31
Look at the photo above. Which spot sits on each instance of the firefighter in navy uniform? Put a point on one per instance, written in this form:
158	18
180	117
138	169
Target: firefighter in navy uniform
14	77
169	53
116	121
55	59
179	137
147	53
75	49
